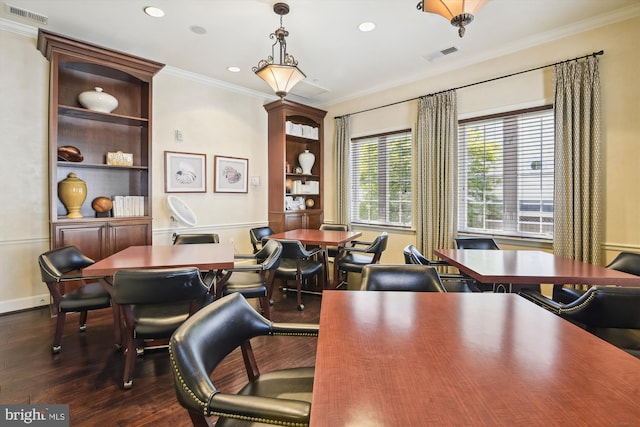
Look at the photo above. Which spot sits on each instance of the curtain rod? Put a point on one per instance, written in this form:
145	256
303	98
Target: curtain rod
594	54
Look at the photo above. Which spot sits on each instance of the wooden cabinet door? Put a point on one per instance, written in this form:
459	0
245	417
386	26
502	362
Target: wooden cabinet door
293	221
90	239
130	233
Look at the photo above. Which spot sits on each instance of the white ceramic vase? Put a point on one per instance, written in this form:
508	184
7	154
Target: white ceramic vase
306	160
97	100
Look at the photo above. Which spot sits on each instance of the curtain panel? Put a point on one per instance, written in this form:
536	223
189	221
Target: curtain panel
578	189
436	153
342	139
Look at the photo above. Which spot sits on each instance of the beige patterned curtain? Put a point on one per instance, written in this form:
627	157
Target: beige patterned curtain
578	193
436	148
342	139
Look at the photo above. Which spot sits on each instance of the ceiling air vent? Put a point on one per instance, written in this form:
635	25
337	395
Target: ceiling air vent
440	53
27	14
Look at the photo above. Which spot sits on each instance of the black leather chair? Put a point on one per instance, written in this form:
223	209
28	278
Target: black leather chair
64	265
299	264
627	262
252	276
401	277
189	239
281	397
476	243
257	234
610	312
154	303
351	258
331	250
451	282
183	239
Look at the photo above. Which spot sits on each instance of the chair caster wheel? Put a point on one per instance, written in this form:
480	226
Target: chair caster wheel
83	328
127	385
139	351
300	307
55	349
117	348
271	302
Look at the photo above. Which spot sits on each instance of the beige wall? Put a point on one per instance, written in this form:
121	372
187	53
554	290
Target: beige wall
620	118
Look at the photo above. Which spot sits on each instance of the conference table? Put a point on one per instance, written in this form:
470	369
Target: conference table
512	267
205	256
465	359
322	238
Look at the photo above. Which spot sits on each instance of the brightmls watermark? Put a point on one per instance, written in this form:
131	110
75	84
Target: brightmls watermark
34	415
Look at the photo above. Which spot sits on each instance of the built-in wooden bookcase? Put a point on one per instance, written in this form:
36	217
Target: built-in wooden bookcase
76	67
294	128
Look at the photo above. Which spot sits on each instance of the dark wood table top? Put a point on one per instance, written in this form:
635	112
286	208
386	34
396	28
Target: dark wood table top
462	359
527	267
318	237
206	256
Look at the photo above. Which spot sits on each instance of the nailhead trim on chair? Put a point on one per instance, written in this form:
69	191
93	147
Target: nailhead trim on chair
580	306
294	334
203	404
260	420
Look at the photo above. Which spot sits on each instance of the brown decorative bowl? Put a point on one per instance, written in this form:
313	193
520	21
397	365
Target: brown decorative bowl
69	153
102	204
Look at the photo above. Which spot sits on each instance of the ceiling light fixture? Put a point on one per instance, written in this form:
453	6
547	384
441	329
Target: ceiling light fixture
459	12
282	76
365	27
156	12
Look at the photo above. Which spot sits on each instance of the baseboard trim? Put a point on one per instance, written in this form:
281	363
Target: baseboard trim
26	303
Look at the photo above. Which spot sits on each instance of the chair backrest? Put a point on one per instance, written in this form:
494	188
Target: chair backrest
401	277
476	243
293	249
605	307
270	254
185	239
413	256
626	262
157	286
55	263
256	235
335	227
378	246
204	340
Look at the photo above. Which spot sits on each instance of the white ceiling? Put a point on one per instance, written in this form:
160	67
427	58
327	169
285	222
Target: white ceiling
340	61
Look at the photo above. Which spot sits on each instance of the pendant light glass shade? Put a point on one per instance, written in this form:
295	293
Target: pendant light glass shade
459	12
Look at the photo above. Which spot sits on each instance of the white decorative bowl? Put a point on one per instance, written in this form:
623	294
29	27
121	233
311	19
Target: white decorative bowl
97	100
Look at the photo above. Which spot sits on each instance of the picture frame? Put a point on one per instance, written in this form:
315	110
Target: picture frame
230	174
185	172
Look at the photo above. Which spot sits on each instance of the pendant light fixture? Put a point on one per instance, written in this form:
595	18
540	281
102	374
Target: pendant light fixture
285	74
459	12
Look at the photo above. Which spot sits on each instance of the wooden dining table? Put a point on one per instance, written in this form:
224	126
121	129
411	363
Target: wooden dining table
205	256
506	267
464	359
321	238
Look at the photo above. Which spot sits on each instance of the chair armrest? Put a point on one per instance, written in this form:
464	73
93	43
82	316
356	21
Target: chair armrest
264	409
247	267
353	249
295	329
313	252
539	299
244	256
360	242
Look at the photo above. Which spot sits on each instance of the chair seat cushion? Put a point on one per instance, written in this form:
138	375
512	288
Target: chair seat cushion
354	262
293	384
89	297
159	321
287	268
249	284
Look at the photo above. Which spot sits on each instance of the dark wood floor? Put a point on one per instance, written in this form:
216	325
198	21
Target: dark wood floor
87	374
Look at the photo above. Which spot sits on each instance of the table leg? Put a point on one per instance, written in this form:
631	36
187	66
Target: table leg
115	308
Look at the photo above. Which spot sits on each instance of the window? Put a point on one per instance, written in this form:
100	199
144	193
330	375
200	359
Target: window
506	164
381	179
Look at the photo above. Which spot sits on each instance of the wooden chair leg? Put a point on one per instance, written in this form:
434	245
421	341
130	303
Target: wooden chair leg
266	307
83	321
299	292
130	361
57	336
198	420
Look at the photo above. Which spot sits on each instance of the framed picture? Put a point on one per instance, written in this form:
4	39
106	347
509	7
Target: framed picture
185	172
230	174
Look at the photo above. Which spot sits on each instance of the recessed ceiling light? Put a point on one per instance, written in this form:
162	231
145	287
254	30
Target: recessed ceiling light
234	69
196	29
156	12
367	26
